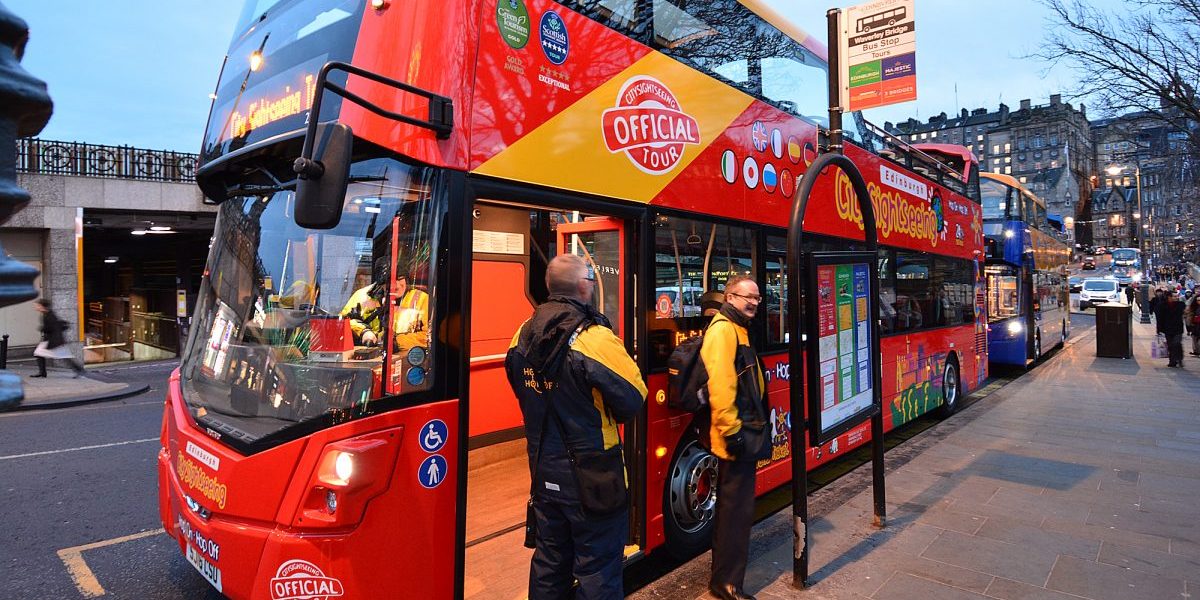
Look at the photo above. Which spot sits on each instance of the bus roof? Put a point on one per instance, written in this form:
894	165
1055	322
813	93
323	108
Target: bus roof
1012	182
954	150
778	21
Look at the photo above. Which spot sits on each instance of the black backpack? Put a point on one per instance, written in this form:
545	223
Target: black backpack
687	379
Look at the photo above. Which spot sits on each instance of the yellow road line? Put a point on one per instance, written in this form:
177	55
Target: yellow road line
81	574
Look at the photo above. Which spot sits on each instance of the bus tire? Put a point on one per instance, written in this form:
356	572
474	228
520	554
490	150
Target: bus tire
690	500
951	387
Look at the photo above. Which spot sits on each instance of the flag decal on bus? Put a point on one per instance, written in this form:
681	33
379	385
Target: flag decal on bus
729	166
649	126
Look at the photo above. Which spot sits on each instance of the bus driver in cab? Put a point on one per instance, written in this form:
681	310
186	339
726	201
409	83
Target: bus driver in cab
366	311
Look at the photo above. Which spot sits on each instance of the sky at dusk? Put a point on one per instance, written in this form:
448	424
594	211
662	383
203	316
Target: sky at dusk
138	72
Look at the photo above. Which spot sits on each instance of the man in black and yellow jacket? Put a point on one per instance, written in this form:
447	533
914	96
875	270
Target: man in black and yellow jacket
575	383
737	432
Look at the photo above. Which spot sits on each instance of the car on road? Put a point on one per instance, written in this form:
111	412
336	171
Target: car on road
1100	251
1088	264
1076	283
1098	290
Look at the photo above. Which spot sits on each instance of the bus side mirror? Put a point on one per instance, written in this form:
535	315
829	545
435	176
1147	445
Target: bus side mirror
323	179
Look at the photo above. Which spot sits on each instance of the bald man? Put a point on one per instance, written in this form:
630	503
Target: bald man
575	383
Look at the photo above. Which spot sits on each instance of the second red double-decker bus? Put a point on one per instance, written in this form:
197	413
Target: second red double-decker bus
662	141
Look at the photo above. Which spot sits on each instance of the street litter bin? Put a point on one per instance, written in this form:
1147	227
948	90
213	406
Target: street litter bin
1114	330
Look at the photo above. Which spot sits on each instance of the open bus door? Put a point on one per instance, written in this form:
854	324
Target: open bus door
512	242
600	242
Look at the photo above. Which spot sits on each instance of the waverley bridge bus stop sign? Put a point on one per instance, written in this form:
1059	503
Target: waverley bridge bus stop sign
878	54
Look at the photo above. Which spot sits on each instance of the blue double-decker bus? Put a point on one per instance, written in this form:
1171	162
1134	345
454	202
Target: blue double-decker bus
1028	302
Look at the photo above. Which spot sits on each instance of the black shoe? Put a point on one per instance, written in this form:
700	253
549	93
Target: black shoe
728	591
38	375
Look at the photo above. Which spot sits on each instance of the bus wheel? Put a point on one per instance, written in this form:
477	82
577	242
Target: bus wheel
690	501
951	388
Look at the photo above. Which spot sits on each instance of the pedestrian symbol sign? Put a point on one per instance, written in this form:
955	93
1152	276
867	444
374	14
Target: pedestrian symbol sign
432	471
433	435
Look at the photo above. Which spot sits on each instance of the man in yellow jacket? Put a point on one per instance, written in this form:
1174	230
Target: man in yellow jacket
737	431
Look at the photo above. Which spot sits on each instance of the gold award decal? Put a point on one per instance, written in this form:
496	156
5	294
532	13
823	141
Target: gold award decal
892	212
191	475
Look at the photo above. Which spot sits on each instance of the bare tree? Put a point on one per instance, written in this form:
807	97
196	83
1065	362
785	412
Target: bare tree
1145	60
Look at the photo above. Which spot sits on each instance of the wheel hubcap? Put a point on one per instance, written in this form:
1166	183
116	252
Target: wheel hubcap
950	385
694	488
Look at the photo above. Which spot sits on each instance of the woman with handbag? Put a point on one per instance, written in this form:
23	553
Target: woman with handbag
53	345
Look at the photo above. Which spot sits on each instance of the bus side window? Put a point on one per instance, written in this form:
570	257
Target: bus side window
914	292
774	291
693	257
887	292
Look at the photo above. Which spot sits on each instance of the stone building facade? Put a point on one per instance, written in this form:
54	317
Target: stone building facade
1047	147
80	227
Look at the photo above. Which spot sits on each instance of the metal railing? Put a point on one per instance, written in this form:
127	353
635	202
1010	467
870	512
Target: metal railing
50	157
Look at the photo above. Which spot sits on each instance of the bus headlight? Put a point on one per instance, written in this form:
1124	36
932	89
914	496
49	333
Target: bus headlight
1015	327
343	466
1137	277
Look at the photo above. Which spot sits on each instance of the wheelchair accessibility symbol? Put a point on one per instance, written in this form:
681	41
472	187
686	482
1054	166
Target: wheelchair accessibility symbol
433	435
432	471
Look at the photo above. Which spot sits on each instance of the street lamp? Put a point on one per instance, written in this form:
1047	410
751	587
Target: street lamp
1144	288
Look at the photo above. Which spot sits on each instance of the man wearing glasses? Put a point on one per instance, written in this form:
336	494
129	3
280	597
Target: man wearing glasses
738	432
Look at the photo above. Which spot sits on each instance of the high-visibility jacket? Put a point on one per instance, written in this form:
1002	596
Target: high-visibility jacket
411	321
364	312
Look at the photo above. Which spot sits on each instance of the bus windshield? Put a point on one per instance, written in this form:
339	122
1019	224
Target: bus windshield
1124	256
995	199
294	325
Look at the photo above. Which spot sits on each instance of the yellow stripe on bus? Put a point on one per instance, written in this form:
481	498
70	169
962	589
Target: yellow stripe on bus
568	151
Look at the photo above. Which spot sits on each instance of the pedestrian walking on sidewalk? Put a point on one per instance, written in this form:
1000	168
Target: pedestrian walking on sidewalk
1168	315
53	345
1191	318
737	431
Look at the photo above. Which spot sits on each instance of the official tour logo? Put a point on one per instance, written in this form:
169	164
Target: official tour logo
301	580
649	126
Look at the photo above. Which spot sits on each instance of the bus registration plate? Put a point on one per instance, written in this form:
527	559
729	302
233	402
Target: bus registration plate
207	569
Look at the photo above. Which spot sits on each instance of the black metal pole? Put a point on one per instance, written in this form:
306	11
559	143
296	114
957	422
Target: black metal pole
796	379
835	80
25	107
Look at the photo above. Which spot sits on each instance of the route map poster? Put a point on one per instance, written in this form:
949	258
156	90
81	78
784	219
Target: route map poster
844	374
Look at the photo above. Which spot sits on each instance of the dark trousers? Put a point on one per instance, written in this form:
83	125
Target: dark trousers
1175	348
735	517
41	363
574	547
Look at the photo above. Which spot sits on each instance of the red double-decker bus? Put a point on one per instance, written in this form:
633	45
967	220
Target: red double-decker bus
662	141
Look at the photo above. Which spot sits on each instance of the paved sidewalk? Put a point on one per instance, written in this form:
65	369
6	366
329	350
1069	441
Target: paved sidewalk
61	389
1078	480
